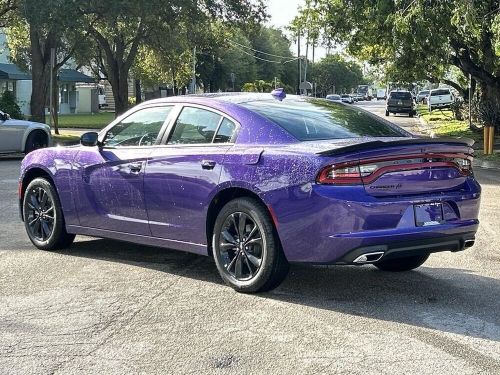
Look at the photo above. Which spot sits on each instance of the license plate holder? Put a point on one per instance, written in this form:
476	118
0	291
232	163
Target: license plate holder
428	214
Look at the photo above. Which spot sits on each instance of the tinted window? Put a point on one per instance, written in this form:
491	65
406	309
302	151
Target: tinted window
141	128
195	125
440	92
333	97
312	119
226	131
424	93
400	95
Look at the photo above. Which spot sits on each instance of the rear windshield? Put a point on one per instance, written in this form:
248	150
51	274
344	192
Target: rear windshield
315	119
400	95
440	92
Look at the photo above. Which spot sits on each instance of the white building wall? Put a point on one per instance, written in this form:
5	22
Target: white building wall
23	95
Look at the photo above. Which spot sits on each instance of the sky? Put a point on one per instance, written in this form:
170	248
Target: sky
282	12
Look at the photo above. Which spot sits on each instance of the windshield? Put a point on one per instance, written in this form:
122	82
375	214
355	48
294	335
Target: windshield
315	119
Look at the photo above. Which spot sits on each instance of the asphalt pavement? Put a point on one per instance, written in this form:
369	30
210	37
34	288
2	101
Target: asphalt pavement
105	307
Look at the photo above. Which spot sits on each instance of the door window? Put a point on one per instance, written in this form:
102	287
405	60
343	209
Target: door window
226	132
139	129
194	126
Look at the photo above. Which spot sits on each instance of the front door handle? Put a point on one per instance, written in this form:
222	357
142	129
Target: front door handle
208	164
135	167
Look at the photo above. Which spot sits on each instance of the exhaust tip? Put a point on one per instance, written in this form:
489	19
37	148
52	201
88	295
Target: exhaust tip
468	243
369	257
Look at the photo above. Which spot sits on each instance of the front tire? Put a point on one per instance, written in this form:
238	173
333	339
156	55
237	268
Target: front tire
36	139
43	216
387	113
246	247
402	264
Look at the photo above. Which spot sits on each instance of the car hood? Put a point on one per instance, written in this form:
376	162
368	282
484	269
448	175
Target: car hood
25	123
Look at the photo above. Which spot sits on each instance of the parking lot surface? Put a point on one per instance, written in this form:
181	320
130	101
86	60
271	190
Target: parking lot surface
108	307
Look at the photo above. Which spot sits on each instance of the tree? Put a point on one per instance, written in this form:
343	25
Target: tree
33	30
121	27
418	39
333	71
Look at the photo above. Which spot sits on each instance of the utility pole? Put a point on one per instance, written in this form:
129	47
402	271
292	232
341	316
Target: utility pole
298	64
193	79
470	101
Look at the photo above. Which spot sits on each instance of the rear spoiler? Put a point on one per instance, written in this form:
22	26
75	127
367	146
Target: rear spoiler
412	141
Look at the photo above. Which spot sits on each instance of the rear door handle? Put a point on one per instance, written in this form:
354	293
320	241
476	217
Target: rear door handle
208	164
135	167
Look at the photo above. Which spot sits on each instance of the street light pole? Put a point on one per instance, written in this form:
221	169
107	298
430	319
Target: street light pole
470	101
193	80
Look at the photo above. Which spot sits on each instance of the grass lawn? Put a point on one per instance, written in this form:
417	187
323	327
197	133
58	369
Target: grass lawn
86	121
443	124
65	139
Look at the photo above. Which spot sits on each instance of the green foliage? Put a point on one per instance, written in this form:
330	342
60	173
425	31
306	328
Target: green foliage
8	104
414	40
335	71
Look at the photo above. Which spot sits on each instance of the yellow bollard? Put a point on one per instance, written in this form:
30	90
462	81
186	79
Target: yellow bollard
486	135
491	140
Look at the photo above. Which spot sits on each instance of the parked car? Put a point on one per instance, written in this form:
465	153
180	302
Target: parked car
440	98
22	136
422	96
347	99
257	183
334	98
400	102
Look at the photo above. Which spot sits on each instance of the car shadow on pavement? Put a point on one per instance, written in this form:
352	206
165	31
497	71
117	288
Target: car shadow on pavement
445	299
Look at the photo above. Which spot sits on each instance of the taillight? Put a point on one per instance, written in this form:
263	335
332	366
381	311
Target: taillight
367	171
340	175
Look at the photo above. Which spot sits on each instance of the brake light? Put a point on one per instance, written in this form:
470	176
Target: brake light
369	170
342	174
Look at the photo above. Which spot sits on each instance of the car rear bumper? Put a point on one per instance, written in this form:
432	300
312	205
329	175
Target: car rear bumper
401	249
400	109
333	222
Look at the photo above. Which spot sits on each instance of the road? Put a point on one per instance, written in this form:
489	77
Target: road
105	307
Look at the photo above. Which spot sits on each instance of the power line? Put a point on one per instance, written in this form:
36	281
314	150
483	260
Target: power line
262	59
256	50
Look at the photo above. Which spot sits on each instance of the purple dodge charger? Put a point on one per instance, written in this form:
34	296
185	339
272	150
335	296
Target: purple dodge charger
257	181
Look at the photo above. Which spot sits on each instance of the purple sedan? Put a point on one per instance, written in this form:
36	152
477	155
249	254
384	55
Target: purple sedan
257	181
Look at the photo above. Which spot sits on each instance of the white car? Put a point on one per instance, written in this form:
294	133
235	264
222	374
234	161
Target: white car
334	98
347	99
22	136
440	98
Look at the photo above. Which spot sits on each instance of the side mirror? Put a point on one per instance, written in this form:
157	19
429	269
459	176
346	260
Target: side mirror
89	139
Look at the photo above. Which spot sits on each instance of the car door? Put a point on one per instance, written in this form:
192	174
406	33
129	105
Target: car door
11	134
111	184
182	174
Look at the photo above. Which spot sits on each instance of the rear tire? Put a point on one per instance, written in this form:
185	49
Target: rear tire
43	216
36	139
402	264
411	114
387	113
246	247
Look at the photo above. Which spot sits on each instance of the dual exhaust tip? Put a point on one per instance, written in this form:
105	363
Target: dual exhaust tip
375	256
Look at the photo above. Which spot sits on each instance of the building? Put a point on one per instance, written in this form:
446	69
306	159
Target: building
77	91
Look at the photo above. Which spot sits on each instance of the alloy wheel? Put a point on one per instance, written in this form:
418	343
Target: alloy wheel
241	246
41	213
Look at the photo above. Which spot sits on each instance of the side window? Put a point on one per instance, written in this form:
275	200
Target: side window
194	125
139	129
226	132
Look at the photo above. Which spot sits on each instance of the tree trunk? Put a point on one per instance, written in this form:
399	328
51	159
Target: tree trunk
39	78
138	94
55	103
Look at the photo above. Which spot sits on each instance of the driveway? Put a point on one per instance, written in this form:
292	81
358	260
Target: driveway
106	307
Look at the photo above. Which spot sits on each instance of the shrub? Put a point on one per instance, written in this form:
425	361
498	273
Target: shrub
8	104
